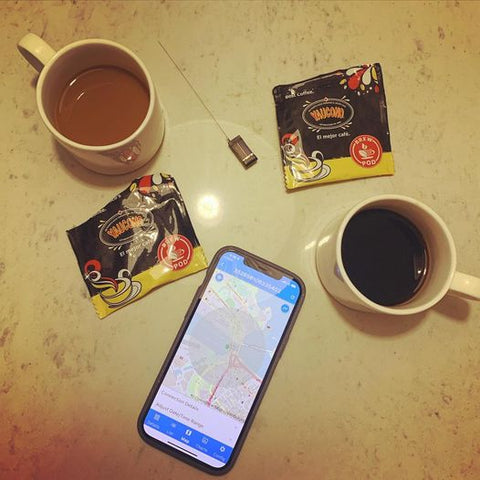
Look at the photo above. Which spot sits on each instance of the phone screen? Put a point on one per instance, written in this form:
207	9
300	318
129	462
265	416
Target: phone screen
215	375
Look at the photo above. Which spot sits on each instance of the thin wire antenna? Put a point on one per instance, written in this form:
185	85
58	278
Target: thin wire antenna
193	90
237	145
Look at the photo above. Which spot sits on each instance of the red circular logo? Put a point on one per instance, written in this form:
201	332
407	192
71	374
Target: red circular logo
366	151
175	251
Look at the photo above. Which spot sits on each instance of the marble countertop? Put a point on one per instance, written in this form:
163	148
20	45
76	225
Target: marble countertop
354	395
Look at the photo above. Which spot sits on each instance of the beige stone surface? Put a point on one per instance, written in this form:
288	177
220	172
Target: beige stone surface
355	396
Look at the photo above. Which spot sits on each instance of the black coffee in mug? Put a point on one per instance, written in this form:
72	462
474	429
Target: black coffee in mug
385	256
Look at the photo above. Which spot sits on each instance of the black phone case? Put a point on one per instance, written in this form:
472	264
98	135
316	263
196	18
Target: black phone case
276	357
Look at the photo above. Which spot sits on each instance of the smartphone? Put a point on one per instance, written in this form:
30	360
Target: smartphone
206	394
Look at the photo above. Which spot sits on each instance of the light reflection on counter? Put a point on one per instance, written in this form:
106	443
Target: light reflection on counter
209	208
310	245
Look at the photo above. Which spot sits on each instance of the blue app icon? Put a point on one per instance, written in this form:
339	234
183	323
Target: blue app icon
218	277
285	308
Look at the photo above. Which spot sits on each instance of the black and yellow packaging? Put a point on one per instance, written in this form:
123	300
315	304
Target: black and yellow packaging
140	240
334	127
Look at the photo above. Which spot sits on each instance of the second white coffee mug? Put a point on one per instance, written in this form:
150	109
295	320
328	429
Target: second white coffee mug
58	68
441	278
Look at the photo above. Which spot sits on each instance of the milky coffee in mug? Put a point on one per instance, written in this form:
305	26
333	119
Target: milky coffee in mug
101	106
98	100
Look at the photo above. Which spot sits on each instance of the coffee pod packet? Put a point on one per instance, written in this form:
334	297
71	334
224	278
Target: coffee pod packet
334	127
140	240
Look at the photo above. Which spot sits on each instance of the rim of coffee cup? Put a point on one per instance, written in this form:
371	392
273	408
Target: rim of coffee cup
94	148
403	308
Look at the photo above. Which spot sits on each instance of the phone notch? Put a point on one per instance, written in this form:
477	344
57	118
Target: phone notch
263	267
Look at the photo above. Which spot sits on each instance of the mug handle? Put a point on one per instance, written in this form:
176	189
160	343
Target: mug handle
465	286
36	51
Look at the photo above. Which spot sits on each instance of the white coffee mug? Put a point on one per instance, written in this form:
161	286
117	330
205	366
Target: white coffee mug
57	68
441	279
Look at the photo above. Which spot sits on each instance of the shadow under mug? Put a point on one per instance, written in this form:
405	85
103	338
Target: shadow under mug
442	277
58	68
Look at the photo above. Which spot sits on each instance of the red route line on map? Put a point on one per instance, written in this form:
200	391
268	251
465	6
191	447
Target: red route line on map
233	360
232	363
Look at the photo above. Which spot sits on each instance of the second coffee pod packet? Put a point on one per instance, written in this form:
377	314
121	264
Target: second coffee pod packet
334	127
140	240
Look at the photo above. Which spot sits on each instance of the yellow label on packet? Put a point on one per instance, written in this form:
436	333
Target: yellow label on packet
112	298
334	127
338	169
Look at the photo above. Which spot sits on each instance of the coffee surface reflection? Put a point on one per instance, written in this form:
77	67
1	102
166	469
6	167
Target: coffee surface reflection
101	106
385	256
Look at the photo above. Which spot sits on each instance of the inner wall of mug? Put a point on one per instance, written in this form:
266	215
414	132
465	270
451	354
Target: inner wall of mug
77	59
440	247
